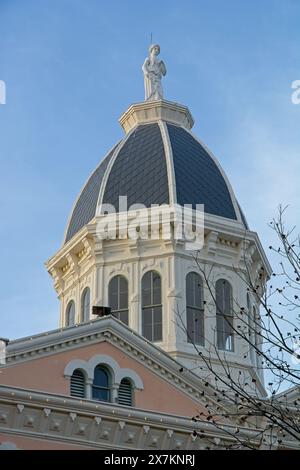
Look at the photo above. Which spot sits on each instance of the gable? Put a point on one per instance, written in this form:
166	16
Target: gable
48	374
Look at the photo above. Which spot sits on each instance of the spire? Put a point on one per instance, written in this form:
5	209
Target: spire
153	69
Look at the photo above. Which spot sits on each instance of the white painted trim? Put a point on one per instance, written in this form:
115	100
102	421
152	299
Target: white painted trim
116	273
153	111
116	371
139	422
169	162
103	360
133	376
67	304
150	355
73	365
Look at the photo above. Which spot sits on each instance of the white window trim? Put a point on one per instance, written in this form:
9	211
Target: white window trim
117	373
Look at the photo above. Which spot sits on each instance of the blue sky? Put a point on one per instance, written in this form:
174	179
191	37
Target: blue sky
71	67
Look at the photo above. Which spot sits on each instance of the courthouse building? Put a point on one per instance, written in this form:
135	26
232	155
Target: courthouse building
125	369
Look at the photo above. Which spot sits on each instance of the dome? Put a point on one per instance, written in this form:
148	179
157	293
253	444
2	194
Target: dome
159	161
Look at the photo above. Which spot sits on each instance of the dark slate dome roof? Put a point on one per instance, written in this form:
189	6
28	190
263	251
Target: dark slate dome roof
138	168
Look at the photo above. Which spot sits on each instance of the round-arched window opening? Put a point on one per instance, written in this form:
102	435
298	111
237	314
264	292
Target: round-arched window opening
85	304
70	314
118	298
152	306
101	384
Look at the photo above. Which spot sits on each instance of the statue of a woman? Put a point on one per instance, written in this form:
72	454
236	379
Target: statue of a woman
153	69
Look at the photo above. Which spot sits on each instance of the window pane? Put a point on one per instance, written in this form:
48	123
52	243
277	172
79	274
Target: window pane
248	303
224	315
85	305
199	333
157	332
227	299
113	293
219	296
100	394
157	314
220	332
100	377
113	285
157	324
225	332
147	323
198	291
194	288
118	295
123	300
124	317
151	316
113	301
146	289
123	292
195	326
190	325
189	289
224	297
156	288
70	314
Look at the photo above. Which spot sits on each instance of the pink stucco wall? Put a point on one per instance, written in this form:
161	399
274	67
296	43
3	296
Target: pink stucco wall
47	374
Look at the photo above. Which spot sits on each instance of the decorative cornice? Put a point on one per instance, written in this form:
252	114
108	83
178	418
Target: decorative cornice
154	111
111	330
91	424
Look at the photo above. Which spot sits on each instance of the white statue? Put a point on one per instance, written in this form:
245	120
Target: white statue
153	69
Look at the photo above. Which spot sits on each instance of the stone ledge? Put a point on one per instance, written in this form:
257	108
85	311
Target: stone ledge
151	111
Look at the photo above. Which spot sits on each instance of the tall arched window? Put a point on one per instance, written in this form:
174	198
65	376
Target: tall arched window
70	314
224	315
77	384
151	306
251	323
85	304
118	298
125	395
257	340
194	309
101	384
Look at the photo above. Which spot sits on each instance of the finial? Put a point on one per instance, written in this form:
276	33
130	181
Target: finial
154	69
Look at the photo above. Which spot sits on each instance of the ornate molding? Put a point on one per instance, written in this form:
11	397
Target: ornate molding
154	111
98	425
118	373
113	331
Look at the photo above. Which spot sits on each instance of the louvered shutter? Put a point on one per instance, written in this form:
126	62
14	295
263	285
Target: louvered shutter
125	393
77	384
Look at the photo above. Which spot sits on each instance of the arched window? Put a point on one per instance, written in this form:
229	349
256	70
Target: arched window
70	314
257	340
194	309
251	323
224	315
118	298
101	384
77	384
85	304
151	306
125	396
